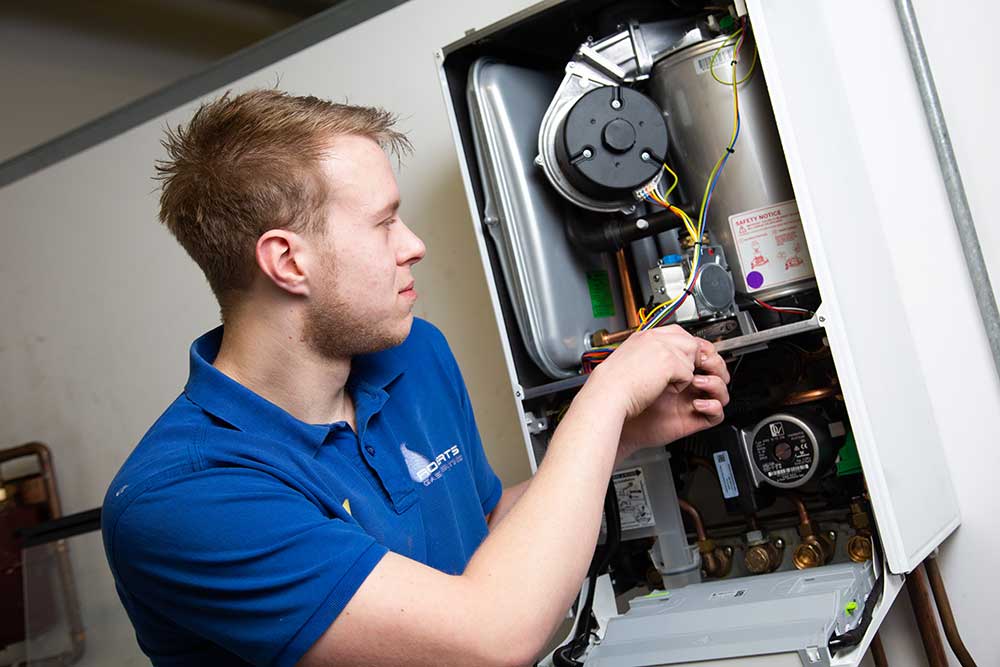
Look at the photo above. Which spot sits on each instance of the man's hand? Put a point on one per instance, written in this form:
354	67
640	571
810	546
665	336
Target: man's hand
674	385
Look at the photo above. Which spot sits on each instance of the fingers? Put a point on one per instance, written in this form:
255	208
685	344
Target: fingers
713	387
678	338
710	361
681	371
710	409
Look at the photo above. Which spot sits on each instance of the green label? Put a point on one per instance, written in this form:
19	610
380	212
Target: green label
601	301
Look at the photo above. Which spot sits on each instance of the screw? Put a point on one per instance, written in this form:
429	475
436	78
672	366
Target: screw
656	277
662	290
587	153
832	535
780	543
616	104
645	157
642	223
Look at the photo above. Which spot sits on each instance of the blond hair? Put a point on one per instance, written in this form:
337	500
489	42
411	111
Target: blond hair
249	163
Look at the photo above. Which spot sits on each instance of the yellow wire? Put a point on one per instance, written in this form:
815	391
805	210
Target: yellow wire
753	62
696	234
666	195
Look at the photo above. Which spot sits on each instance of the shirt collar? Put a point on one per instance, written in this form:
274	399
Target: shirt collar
228	400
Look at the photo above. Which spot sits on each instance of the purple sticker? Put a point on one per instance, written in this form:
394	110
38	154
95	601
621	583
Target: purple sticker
755	279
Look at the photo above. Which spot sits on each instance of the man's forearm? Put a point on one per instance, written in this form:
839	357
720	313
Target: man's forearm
507	501
532	563
513	494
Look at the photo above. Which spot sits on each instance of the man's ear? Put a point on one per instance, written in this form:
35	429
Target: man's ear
283	256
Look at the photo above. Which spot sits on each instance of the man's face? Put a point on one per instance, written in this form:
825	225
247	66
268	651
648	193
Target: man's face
362	300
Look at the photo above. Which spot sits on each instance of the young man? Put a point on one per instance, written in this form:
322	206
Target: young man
318	494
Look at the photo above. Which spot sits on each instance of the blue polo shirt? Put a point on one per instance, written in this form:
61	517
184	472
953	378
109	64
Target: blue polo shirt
236	533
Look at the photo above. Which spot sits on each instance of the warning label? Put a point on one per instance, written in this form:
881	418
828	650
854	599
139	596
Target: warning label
771	246
633	501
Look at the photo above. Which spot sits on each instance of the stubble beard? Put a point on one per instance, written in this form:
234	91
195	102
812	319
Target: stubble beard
333	332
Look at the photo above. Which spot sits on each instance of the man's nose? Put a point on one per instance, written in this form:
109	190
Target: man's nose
412	249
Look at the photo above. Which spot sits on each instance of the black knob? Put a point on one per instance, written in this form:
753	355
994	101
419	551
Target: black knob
619	135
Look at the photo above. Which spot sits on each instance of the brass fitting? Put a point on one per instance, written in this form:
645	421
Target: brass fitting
603	338
716	562
859	546
762	555
859	517
815	549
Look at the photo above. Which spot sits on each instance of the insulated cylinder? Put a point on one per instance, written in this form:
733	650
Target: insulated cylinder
752	212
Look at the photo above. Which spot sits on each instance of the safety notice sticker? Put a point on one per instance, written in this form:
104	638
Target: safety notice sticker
771	245
633	501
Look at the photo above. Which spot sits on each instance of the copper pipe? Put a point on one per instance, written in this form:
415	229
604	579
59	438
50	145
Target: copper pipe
944	611
923	612
692	511
801	506
603	338
810	395
878	652
628	295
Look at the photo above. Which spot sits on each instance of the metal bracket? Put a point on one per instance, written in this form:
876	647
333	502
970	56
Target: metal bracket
535	424
643	59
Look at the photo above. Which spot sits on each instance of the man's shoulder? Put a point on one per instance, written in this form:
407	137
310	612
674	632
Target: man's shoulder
171	450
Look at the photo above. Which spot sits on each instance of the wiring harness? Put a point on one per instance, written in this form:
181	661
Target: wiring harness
696	230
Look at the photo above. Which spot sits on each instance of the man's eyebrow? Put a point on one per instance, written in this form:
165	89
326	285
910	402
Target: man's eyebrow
388	209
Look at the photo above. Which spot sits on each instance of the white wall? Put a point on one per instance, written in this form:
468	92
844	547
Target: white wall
98	303
966	72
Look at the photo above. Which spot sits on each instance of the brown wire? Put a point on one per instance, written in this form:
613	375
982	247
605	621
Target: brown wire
944	611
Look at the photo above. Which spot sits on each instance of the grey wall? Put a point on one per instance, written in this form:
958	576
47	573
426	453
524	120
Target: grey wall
63	64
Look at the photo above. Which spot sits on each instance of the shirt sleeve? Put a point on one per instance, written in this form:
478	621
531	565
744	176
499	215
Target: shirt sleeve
239	558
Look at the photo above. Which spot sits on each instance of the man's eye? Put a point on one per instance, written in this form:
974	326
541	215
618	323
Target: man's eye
387	222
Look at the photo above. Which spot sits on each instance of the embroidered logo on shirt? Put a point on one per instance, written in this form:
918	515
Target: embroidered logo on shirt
347	505
425	471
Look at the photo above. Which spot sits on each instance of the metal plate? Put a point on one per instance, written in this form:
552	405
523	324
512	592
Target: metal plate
546	277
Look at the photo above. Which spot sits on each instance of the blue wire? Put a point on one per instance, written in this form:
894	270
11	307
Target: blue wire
722	166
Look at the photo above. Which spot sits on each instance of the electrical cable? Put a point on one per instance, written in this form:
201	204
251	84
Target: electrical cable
851	638
783	309
567	655
696	231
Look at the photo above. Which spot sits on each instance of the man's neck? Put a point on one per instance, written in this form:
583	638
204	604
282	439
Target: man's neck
281	367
